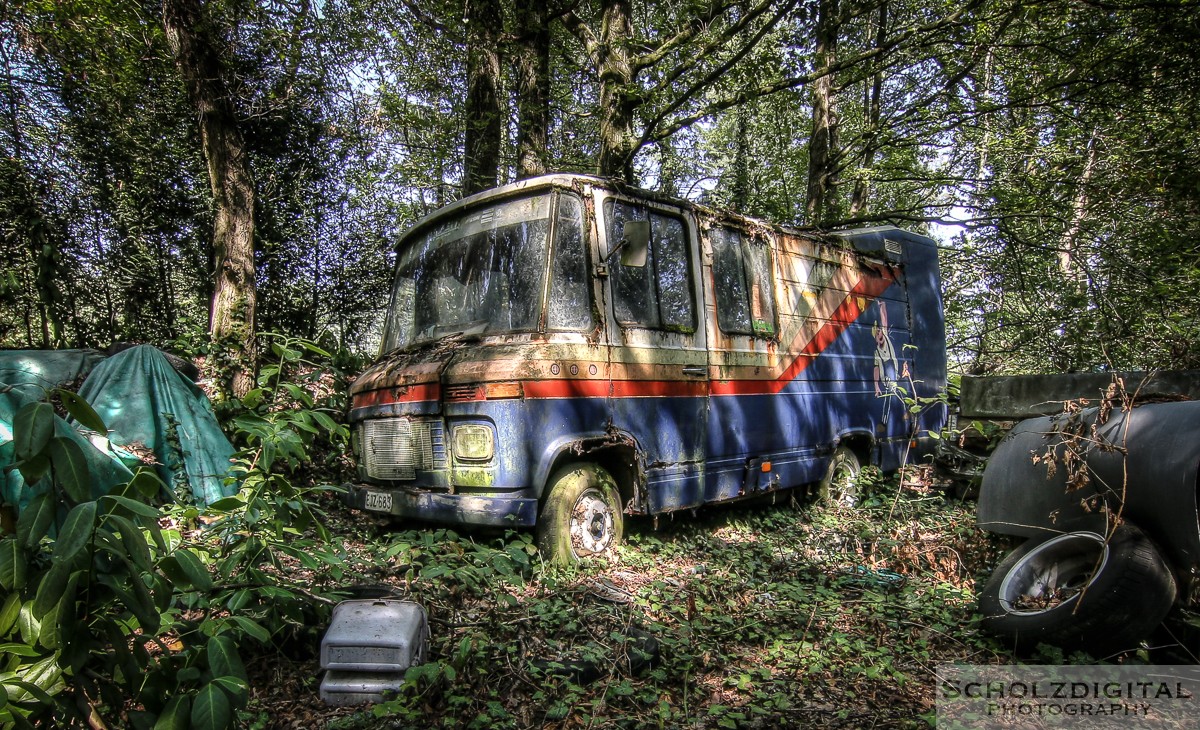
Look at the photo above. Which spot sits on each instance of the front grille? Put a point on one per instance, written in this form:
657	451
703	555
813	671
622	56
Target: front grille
395	448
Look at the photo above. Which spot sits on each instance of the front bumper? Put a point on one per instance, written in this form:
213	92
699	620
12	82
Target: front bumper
454	509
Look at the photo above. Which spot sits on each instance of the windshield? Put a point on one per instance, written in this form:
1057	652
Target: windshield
482	272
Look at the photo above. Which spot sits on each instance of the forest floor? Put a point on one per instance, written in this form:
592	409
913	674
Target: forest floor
789	615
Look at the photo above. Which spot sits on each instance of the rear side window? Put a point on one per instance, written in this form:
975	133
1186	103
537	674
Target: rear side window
742	275
659	294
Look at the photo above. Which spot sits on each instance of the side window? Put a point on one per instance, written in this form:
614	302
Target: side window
570	306
659	294
742	274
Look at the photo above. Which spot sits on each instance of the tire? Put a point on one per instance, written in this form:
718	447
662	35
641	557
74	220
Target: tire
1103	598
581	517
839	486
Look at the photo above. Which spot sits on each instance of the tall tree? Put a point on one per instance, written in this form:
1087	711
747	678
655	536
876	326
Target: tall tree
532	66
483	116
823	147
196	41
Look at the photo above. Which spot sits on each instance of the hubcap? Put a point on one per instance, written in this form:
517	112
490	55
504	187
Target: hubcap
591	524
1054	573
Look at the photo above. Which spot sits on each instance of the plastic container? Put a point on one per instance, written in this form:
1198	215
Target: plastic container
357	688
375	635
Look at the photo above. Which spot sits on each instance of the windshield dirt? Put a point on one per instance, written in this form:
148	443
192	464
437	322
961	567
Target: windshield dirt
478	273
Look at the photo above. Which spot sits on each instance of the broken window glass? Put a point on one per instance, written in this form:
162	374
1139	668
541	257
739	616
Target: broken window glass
659	294
569	307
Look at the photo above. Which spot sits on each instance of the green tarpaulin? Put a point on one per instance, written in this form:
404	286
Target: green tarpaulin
147	406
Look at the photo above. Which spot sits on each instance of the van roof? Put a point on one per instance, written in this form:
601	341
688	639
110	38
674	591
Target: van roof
880	241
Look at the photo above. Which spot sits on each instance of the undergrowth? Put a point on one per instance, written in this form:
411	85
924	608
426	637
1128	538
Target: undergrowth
782	616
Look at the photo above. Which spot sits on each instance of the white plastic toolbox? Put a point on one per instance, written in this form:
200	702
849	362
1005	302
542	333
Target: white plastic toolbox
375	635
357	688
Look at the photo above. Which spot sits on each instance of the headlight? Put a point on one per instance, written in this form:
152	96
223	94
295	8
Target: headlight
473	442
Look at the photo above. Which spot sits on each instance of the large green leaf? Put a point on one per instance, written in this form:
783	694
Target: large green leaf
36	519
193	570
147	483
70	468
8	612
13	566
51	588
81	411
211	709
135	507
33	427
38	681
30	627
32	470
133	540
19	650
176	714
223	658
76	532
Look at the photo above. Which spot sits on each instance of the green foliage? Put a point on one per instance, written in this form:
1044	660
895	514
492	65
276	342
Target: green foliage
109	601
761	617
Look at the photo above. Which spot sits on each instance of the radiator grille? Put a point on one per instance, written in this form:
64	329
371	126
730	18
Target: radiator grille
395	448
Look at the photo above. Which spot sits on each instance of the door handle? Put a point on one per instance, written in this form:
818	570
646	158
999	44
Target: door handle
695	370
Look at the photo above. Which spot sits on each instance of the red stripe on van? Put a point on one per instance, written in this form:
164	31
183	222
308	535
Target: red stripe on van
847	312
566	388
400	394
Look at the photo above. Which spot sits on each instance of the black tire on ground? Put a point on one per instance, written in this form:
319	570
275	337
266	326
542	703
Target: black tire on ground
581	516
839	486
1078	592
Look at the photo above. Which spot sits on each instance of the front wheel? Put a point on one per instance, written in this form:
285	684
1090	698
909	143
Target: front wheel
1079	591
582	515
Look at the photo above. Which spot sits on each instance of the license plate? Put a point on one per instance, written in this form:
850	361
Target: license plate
379	501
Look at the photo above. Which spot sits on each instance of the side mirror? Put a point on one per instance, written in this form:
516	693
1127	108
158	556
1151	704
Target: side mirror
635	243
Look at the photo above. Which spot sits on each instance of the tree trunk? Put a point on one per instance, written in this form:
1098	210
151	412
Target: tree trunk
617	79
823	145
533	88
481	164
739	190
1068	254
195	44
873	103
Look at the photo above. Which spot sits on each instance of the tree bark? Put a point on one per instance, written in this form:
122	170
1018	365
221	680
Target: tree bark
533	88
873	103
617	79
823	144
195	43
481	164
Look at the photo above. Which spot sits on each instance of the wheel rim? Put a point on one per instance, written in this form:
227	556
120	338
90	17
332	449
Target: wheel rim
843	487
1054	573
592	524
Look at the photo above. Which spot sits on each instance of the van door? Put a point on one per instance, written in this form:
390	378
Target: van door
659	361
746	430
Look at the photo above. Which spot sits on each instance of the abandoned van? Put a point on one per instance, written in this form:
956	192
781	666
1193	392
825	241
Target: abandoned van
566	350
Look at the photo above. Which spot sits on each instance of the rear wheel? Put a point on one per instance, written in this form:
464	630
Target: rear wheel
839	486
581	517
1079	591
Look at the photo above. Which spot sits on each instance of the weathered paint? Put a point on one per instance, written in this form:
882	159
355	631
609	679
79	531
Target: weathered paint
691	415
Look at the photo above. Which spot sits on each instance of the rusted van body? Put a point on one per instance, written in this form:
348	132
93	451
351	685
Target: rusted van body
639	355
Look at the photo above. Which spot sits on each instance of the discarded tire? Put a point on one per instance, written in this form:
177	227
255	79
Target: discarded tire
1078	591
